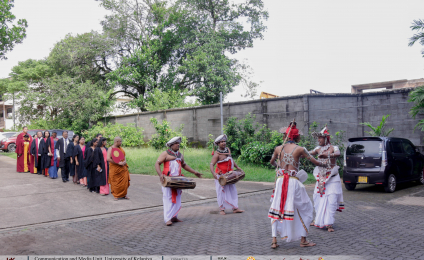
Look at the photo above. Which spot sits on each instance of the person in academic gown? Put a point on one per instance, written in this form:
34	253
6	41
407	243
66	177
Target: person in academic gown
37	151
61	150
104	189
22	164
100	170
92	174
55	166
47	159
70	155
81	173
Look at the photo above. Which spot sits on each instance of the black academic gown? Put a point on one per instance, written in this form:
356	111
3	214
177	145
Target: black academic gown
69	154
46	160
80	168
88	164
36	150
98	178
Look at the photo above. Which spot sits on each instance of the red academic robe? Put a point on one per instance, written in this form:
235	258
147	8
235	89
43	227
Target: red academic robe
20	166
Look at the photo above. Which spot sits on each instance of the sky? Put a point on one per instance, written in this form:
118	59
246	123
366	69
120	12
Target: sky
322	45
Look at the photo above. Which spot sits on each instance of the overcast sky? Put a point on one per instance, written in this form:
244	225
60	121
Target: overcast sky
323	45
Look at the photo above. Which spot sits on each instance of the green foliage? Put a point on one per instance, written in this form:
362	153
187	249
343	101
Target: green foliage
10	34
211	141
417	97
417	25
164	133
131	136
161	100
240	132
184	45
379	130
69	88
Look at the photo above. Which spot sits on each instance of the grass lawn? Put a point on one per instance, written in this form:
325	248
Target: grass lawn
11	155
142	161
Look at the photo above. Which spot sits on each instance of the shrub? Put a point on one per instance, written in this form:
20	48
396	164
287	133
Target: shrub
131	136
258	153
240	132
164	134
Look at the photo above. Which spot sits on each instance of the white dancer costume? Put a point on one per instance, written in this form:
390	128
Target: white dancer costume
226	195
291	222
328	194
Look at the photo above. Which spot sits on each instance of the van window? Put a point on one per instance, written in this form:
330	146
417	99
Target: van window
368	148
408	148
396	146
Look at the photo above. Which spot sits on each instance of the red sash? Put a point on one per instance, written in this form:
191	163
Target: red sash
223	167
284	192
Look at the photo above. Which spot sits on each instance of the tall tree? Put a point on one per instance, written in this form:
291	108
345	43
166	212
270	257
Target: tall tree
186	45
10	33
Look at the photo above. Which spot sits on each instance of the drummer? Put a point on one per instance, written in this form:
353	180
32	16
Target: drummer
173	161
226	195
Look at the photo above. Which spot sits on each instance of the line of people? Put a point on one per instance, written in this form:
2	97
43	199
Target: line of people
87	163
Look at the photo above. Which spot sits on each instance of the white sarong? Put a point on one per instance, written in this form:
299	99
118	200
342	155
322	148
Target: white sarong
330	202
170	210
293	222
226	196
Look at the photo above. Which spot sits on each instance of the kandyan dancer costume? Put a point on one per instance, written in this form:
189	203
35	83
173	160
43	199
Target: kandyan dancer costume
226	195
291	209
173	162
328	194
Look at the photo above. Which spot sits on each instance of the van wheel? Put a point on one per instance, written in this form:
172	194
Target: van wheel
422	178
350	186
391	184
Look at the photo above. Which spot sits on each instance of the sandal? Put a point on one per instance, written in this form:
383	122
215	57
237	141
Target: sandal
126	198
307	244
276	245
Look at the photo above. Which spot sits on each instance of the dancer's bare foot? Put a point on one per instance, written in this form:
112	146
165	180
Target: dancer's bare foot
169	223
274	244
176	220
330	229
305	243
238	211
312	223
221	212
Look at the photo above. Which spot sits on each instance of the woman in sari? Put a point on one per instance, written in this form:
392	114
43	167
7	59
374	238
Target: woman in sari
101	164
81	172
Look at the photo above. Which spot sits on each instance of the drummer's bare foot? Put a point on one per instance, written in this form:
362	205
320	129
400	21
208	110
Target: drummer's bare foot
222	212
312	223
330	228
238	211
169	223
176	220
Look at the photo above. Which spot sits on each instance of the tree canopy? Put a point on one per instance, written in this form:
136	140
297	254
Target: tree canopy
183	45
10	33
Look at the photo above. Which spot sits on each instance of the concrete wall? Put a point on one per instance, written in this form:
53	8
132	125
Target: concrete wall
338	111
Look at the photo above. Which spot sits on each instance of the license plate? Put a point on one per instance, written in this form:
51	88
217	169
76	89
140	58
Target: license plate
362	179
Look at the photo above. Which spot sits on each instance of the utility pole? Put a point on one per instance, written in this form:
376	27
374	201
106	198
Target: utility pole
13	111
222	114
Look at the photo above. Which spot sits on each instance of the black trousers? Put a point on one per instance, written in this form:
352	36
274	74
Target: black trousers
64	171
39	168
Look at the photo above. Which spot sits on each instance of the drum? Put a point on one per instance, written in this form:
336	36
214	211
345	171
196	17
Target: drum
178	182
231	177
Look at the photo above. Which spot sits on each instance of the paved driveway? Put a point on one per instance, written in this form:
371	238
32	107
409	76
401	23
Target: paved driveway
47	217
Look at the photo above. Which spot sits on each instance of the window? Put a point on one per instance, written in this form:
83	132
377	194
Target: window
396	146
408	148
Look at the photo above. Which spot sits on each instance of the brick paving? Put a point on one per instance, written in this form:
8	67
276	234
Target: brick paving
368	229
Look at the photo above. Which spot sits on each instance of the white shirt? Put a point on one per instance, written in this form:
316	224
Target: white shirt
39	140
65	145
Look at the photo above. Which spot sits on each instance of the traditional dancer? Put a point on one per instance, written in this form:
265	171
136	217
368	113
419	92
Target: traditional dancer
173	161
226	195
328	194
291	209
